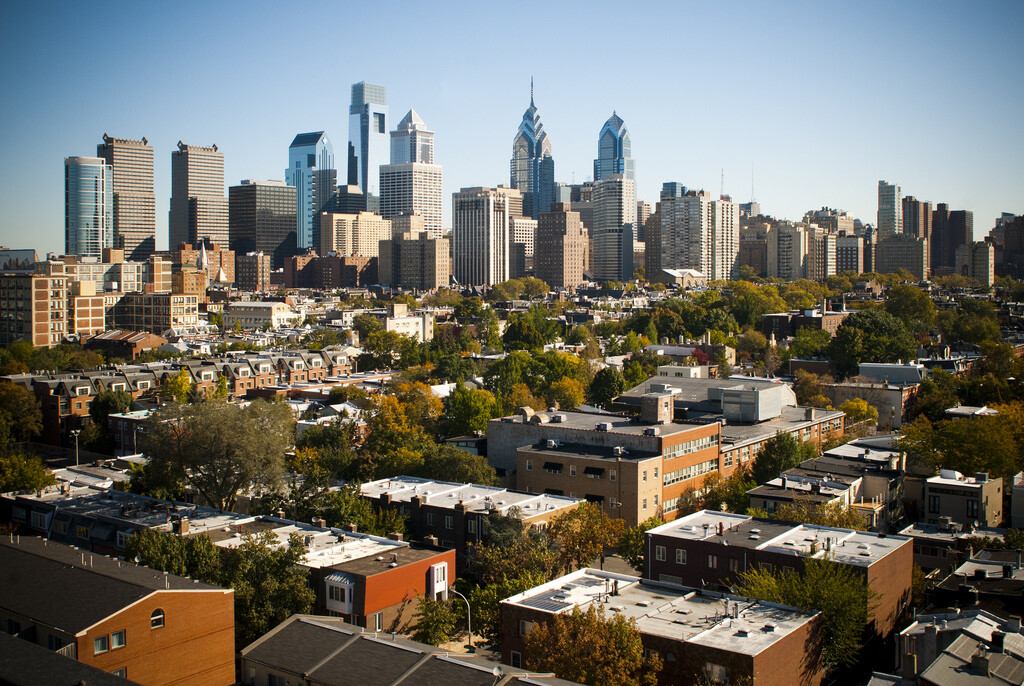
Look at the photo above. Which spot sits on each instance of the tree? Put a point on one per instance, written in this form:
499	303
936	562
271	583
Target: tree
520	396
567	393
871	335
779	453
269	585
823	514
467	411
810	389
857	410
729	494
193	556
838	591
973	321
608	384
969	445
219	449
19	412
632	546
581	535
751	343
589	648
912	306
435	621
521	334
810	343
178	388
443	462
19	472
486	601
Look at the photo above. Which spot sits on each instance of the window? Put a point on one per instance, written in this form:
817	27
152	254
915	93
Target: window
471	526
117	640
712	561
659	553
645	475
121	672
645	503
972	509
449	522
572	470
122	538
82	531
516	659
524	627
156	620
529	465
378	120
933	503
13	627
101	644
60	527
336	593
655	472
378	621
38	520
655	501
430	519
54	643
680	556
611	475
734	564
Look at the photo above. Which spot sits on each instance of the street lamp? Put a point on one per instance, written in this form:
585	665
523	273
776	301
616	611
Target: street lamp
469	617
75	432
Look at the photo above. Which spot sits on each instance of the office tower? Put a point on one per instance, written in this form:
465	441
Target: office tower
672	189
368	140
615	226
199	210
950	230
850	254
749	210
902	251
480	234
821	254
131	162
917	222
522	235
560	254
413	260
346	199
643	213
311	172
613	151
787	251
353	234
88	206
890	210
411	184
252	272
696	232
262	218
532	167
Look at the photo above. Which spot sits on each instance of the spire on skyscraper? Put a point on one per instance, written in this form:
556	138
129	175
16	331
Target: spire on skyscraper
532	166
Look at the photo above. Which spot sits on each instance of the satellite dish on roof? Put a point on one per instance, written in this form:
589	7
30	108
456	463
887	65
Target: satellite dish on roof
496	671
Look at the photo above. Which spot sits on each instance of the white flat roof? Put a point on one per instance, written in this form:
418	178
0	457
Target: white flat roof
476	497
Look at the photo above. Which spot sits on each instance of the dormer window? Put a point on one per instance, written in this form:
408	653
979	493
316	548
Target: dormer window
82	390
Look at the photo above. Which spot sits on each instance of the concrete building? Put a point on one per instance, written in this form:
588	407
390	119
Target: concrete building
413	260
412	183
312	174
696	232
968	500
783	325
199	210
917	218
522	237
977	260
532	168
214	259
257	315
891	400
699	634
131	166
831	220
252	272
156	312
903	251
138	623
353	234
368	140
950	230
88	206
890	210
33	308
711	548
481	228
560	253
822	257
787	251
614	228
262	218
849	254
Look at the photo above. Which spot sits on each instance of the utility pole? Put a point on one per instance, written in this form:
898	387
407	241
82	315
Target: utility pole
75	432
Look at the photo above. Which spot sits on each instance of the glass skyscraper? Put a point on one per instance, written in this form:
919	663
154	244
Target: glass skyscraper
613	151
532	167
88	206
312	173
368	139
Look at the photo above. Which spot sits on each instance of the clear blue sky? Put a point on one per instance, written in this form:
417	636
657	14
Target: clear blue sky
821	99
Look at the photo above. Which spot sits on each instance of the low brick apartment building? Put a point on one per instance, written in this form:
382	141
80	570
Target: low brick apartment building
713	548
144	625
697	633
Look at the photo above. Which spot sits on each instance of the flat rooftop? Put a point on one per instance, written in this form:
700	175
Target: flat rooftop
857	548
476	498
588	422
791	419
700	617
691	390
593	452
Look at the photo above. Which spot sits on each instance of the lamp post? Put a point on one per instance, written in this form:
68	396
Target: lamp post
75	432
469	617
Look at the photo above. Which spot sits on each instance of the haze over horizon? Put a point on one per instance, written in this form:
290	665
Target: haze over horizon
820	101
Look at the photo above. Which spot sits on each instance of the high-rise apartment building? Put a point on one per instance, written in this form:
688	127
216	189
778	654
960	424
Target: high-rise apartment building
252	271
696	232
917	222
902	251
950	230
560	252
311	172
33	308
199	210
522	236
613	151
821	254
88	206
131	163
614	228
532	166
850	254
353	234
413	260
787	251
262	218
368	140
412	183
643	213
481	225
832	220
978	261
890	210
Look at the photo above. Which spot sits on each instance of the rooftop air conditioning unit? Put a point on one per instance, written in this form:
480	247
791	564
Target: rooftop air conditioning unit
652	431
558	418
604	426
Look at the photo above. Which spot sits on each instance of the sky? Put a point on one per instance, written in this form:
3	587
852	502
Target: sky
800	104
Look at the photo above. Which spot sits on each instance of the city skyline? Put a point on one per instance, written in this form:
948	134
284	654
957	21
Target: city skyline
807	128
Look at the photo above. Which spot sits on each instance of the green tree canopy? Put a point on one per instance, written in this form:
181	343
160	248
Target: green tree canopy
467	411
434	621
19	472
871	335
779	453
912	306
631	545
608	384
580	535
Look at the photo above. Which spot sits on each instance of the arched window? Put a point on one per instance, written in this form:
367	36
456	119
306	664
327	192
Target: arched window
156	620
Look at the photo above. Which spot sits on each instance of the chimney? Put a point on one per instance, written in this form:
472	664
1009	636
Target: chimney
351	527
320	522
385	498
184	526
998	637
395	536
431	541
1007	571
980	663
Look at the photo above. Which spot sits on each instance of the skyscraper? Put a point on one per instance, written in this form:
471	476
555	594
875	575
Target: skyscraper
411	184
561	247
950	230
613	151
532	167
696	232
890	210
481	234
88	206
614	228
199	210
311	171
134	199
261	218
367	139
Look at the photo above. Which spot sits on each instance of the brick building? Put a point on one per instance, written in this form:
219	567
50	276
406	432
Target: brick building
33	308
